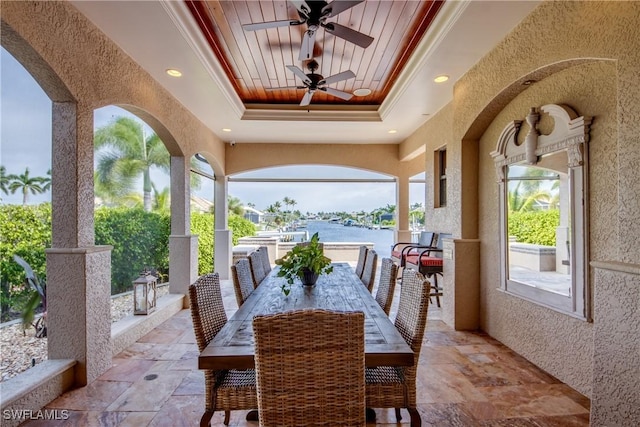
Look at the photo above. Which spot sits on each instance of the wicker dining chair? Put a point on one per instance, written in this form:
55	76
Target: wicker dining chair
369	273
362	256
266	262
227	390
395	386
257	268
310	368
387	284
242	280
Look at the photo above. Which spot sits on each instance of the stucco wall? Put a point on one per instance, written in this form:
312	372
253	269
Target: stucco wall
585	54
548	338
435	134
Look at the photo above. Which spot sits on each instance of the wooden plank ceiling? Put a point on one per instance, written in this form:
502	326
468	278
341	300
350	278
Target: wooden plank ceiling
256	60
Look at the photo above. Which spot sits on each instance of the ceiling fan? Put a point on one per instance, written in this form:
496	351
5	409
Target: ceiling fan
314	82
315	13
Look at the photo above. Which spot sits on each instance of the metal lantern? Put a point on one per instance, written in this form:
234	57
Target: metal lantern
144	293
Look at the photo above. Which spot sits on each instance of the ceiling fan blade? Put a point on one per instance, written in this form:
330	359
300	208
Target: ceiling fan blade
306	99
298	72
337	77
301	5
271	24
336	7
306	49
348	34
340	94
285	87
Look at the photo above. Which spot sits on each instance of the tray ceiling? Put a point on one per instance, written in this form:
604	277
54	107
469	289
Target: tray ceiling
255	61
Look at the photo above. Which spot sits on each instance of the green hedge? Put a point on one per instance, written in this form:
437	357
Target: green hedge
140	239
25	231
202	225
537	227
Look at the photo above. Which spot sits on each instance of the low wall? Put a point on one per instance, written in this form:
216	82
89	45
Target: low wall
336	251
533	257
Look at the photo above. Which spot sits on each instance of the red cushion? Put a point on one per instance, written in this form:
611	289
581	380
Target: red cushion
426	261
396	254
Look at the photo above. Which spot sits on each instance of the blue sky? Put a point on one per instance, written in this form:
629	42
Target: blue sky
25	135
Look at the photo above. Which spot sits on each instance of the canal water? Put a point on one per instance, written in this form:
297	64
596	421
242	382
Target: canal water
336	232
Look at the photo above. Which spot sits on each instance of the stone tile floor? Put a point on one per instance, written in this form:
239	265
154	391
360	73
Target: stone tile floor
464	379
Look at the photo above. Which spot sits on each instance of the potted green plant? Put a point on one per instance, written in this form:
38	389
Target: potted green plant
305	262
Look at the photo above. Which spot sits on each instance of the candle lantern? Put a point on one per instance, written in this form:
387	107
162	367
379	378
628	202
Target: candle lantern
144	293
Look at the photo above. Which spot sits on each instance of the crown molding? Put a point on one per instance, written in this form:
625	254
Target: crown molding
316	113
188	27
438	30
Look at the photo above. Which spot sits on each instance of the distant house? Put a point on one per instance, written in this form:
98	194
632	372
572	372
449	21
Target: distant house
200	204
253	215
386	217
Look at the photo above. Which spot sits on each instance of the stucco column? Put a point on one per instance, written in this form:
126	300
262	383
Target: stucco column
461	283
183	247
403	234
223	243
78	272
615	399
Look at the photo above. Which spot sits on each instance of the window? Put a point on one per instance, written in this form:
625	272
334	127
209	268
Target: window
440	173
543	215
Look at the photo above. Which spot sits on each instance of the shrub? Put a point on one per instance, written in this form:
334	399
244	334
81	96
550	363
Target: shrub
202	224
24	231
140	239
241	227
537	227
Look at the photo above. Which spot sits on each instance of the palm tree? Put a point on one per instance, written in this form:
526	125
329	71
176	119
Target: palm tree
26	184
125	153
5	180
235	206
46	181
161	199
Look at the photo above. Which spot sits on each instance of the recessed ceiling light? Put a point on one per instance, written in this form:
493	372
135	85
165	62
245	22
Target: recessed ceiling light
226	130
441	79
393	131
174	73
363	91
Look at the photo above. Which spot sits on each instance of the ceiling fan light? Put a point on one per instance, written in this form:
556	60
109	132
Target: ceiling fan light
363	91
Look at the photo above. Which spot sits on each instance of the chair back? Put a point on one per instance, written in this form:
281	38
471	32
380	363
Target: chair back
427	238
369	273
257	268
207	309
266	262
439	243
386	284
411	319
362	256
310	368
242	280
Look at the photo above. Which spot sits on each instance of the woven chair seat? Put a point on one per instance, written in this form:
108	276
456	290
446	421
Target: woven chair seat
383	374
385	387
236	390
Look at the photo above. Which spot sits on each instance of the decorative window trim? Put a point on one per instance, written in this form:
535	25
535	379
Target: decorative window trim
570	133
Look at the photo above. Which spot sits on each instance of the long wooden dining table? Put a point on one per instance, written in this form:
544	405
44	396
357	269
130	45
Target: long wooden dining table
341	290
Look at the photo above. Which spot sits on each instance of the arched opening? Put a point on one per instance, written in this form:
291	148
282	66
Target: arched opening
25	213
132	189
